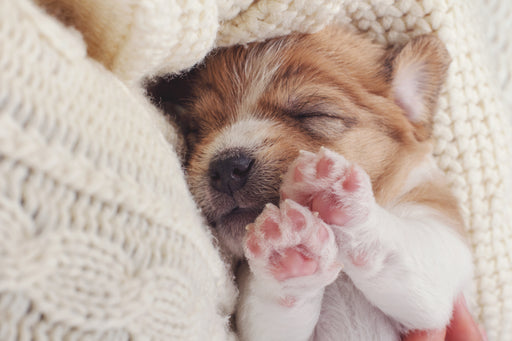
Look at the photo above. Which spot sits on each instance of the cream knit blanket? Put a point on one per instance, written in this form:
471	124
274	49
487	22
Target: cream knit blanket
99	236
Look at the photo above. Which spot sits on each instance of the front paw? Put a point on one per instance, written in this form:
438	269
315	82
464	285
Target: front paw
341	192
292	247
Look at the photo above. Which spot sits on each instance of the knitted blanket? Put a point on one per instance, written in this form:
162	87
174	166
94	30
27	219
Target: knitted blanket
99	236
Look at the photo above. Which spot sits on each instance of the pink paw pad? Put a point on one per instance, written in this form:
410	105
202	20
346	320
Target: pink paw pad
252	244
338	190
331	212
291	263
324	167
296	218
298	175
290	242
270	229
351	182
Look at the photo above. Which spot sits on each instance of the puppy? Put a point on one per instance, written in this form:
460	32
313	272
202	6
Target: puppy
310	157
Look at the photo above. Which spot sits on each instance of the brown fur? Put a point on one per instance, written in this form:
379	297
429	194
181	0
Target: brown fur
331	89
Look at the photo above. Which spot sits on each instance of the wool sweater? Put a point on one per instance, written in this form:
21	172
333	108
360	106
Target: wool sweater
99	236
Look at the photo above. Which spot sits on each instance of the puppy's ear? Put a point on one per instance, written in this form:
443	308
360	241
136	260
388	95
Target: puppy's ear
418	71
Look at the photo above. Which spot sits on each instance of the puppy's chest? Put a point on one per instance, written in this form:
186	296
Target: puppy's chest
345	311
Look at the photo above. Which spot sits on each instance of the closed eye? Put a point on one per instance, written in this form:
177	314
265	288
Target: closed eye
317	108
313	106
300	115
348	121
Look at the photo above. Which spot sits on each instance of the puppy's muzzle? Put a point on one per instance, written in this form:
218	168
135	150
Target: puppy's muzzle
229	172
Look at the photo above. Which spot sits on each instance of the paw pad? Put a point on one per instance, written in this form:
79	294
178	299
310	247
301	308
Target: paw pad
270	229
290	242
327	183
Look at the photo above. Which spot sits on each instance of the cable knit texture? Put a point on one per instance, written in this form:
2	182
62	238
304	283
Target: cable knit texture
99	236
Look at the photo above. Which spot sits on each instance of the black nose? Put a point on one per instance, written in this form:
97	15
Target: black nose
229	174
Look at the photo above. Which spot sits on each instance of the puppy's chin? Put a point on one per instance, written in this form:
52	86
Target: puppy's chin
230	230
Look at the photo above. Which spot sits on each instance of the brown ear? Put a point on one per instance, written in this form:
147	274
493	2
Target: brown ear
418	71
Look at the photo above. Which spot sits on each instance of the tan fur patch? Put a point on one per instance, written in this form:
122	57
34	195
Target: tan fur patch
332	89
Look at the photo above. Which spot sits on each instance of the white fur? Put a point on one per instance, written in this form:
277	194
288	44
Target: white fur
407	91
245	133
427	170
260	74
417	265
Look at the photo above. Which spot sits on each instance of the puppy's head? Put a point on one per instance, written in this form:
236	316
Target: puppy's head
253	108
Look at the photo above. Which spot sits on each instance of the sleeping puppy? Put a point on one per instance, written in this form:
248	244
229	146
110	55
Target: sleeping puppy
310	157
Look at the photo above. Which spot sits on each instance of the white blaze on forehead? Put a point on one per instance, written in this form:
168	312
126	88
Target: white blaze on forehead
247	134
260	69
